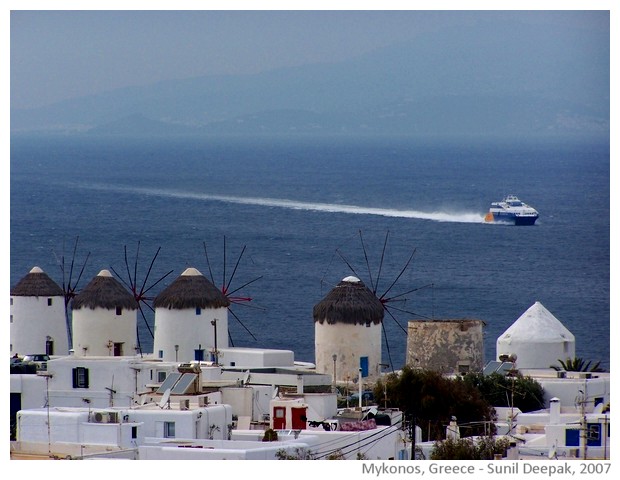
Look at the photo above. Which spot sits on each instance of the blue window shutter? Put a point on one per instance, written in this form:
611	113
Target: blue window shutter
572	437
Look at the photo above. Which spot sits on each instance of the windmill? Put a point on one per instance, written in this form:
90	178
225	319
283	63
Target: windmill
141	292
386	295
69	285
227	288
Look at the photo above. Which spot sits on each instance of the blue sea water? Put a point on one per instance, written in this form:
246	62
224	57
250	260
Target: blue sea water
287	219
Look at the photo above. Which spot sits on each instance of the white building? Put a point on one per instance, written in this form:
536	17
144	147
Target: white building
104	319
38	320
381	443
560	431
537	339
191	319
81	432
347	332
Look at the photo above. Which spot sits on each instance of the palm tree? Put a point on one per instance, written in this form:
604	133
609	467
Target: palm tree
578	364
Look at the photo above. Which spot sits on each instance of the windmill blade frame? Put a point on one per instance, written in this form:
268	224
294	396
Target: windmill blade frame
227	283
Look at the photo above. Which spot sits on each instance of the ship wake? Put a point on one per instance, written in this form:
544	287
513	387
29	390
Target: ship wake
438	216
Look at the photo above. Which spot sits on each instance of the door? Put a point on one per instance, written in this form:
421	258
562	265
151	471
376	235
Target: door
279	418
299	418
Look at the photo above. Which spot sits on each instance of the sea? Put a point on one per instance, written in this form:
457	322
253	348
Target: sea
279	221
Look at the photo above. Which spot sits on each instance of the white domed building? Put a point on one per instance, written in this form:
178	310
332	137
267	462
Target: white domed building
38	320
191	319
104	319
537	339
347	331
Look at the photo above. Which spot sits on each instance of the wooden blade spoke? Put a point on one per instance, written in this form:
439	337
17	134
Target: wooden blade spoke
374	287
241	323
399	275
204	244
235	269
347	262
394	318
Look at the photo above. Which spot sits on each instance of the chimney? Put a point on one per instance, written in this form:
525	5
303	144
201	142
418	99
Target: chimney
554	411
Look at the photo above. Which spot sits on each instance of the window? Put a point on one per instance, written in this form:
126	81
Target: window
49	302
80	377
168	429
118	349
49	346
463	367
161	376
119	310
160	354
198	311
11	318
134	432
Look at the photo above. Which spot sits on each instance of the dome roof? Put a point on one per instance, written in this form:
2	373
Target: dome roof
349	302
104	291
37	284
537	325
191	290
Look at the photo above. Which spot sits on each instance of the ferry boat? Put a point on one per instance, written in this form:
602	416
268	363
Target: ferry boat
511	210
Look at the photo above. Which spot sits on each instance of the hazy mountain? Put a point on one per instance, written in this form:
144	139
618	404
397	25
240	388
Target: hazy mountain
465	81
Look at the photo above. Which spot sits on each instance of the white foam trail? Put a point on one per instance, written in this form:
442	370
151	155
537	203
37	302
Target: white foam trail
460	217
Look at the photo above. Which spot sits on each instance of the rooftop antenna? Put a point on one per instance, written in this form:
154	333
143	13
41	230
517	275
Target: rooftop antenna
141	292
230	292
112	391
165	400
553	452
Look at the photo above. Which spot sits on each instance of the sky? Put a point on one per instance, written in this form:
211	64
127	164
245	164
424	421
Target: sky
62	54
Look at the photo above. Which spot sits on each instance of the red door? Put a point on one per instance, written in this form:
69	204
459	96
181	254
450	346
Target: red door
299	418
279	418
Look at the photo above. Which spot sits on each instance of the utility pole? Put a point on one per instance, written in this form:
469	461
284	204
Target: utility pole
412	434
215	352
583	430
334	358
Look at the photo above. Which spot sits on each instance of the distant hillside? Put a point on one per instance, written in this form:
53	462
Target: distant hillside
458	82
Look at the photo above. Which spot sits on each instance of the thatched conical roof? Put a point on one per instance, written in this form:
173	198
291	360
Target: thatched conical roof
37	284
104	291
349	302
191	290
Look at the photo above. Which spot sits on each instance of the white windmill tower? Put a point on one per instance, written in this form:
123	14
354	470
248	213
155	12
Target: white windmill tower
347	331
191	319
38	316
104	318
349	321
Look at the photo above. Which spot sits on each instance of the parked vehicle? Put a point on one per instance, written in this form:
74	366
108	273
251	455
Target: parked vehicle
38	359
367	398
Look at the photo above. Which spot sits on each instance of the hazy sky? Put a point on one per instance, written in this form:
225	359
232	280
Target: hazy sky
55	55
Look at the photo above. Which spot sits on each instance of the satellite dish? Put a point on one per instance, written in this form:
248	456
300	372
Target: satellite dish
246	377
553	452
274	394
142	400
165	399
